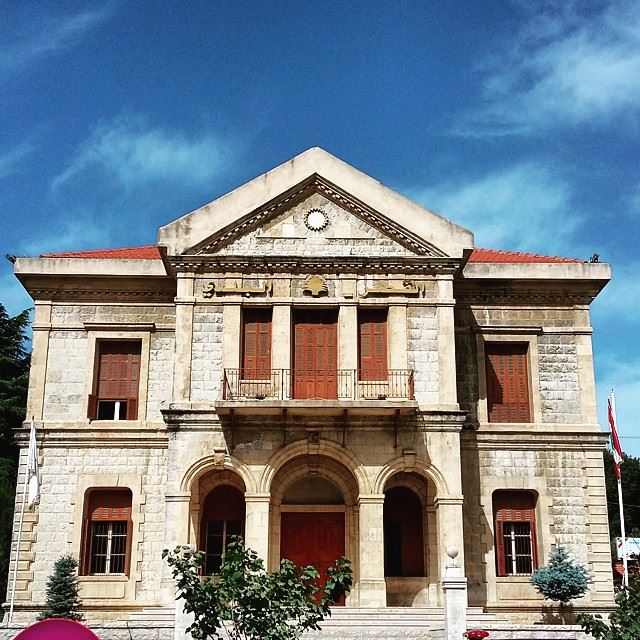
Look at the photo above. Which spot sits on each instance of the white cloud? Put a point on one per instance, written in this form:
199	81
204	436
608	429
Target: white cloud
48	36
75	235
526	207
566	66
621	297
130	152
10	160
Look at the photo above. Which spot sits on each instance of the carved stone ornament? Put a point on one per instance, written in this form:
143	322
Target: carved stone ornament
210	290
316	285
391	288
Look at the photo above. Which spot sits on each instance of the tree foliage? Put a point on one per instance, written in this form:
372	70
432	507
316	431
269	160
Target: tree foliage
624	622
561	579
246	602
14	377
62	599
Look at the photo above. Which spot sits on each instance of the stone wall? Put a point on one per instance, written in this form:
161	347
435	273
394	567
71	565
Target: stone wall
66	473
422	353
206	353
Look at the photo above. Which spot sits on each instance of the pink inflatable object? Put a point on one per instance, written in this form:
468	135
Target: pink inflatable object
57	629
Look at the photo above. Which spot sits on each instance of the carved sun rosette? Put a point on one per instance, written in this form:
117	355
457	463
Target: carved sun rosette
316	285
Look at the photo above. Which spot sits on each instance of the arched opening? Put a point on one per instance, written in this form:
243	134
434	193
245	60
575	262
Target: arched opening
222	516
313	500
403	533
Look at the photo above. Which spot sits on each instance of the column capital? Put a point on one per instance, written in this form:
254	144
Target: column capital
257	497
371	498
448	500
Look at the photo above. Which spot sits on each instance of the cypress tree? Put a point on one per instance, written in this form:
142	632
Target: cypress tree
62	591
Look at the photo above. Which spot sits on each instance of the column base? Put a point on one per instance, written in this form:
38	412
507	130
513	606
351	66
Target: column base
372	593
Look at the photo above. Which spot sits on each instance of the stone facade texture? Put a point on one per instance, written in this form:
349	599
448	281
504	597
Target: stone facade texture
422	426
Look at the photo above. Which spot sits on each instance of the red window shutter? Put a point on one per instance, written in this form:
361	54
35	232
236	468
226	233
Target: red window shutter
85	549
110	505
118	369
132	408
92	407
256	344
513	506
373	344
127	559
507	382
502	569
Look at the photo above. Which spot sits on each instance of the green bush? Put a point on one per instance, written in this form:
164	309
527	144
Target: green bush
246	602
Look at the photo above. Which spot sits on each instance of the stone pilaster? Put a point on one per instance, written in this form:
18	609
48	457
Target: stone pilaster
397	336
448	395
185	302
372	590
256	532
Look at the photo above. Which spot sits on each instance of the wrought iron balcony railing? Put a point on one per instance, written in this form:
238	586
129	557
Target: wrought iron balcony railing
339	384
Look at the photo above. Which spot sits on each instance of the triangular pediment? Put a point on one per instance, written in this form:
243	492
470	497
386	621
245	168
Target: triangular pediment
270	213
316	219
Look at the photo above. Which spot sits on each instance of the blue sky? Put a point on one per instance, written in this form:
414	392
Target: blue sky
519	120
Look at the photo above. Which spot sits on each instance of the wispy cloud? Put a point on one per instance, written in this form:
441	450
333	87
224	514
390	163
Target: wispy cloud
525	207
569	64
130	152
621	296
48	35
10	160
70	235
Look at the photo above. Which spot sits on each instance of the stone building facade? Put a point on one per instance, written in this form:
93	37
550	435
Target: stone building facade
326	367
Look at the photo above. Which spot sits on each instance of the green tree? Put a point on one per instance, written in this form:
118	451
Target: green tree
62	600
14	378
624	622
561	579
246	602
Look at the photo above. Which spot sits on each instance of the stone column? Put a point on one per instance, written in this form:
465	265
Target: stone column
454	587
176	532
231	335
185	302
256	532
281	349
446	344
372	588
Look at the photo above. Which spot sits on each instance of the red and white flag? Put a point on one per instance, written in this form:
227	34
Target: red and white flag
618	456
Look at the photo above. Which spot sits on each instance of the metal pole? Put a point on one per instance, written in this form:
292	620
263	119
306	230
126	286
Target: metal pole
625	576
17	554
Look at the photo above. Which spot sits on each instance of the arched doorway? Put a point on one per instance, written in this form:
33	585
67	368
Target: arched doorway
403	533
313	500
222	517
217	513
410	558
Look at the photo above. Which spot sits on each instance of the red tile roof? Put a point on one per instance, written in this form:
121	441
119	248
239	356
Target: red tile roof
152	252
493	255
127	253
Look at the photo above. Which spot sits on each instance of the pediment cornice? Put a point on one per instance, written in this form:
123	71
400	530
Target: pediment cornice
315	184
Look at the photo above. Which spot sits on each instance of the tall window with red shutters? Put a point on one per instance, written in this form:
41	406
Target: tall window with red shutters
507	382
515	532
372	339
107	530
117	381
256	344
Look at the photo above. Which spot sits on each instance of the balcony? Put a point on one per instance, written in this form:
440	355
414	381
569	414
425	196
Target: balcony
325	391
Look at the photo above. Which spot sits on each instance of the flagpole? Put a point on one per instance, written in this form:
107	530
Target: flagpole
17	556
618	450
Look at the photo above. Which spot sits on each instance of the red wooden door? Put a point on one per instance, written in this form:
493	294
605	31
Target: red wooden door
315	538
315	366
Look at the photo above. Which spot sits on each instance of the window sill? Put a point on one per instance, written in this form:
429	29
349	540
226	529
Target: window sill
115	577
520	579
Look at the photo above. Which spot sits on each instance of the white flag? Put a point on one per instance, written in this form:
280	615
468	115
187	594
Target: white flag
32	467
